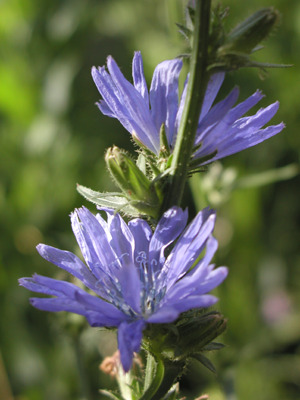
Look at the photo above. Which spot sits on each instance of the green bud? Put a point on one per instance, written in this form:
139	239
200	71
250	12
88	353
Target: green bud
246	36
142	193
198	330
192	333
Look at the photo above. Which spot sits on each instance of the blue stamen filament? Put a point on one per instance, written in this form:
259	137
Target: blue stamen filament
153	286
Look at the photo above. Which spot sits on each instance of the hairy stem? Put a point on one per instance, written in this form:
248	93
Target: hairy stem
196	87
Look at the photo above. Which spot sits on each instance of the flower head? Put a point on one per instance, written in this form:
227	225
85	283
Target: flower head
134	276
222	129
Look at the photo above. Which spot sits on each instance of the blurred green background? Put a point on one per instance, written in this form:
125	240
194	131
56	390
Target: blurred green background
53	136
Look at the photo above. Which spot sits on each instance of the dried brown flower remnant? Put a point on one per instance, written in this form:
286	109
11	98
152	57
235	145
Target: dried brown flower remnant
110	365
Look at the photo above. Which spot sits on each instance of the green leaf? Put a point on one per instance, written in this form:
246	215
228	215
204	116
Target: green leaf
115	201
154	375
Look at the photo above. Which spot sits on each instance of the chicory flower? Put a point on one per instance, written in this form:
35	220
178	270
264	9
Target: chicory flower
222	129
133	275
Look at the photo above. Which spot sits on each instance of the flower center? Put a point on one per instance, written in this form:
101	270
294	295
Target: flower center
152	285
152	288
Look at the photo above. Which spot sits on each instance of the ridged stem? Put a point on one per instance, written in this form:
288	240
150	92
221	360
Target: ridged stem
196	87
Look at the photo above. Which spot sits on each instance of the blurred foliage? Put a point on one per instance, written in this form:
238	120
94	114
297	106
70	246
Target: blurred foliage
53	136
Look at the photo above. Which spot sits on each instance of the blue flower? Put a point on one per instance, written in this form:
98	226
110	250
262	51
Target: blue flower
222	129
133	276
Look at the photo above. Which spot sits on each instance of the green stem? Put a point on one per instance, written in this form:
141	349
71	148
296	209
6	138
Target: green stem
194	98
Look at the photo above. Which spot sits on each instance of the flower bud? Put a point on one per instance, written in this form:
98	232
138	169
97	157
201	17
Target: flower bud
246	36
192	334
198	331
144	195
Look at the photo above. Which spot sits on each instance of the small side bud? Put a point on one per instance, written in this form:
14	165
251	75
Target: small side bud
143	194
246	36
192	334
199	330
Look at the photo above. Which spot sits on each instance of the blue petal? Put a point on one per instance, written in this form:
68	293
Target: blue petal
105	109
191	302
167	230
86	247
129	341
230	136
189	246
102	308
141	120
244	142
71	298
126	104
69	262
139	77
164	95
94	243
122	240
30	284
201	269
216	114
142	235
261	118
49	286
96	319
58	304
243	107
214	279
111	98
197	275
164	315
129	280
127	275
195	284
212	90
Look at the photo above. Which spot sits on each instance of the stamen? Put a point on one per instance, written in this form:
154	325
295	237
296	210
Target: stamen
153	289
